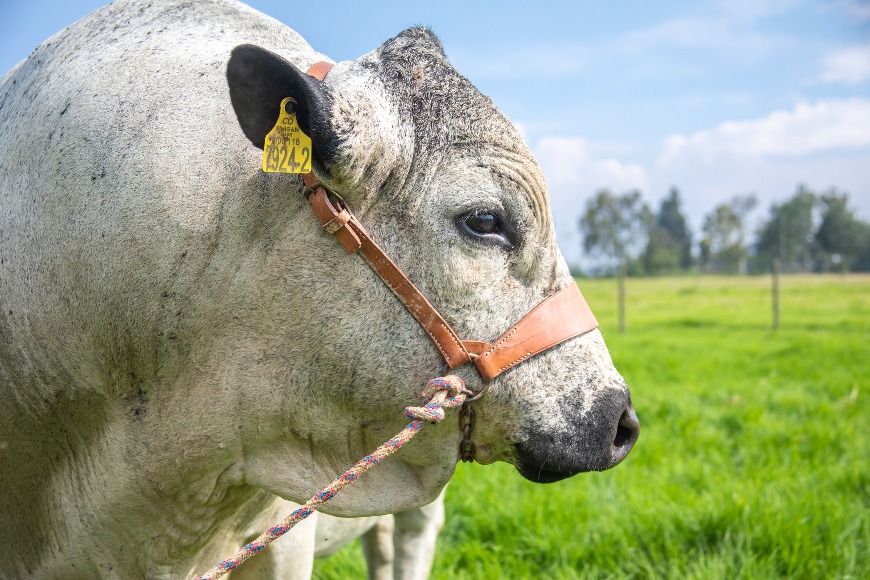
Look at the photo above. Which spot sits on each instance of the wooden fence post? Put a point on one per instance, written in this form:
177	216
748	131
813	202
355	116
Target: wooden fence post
775	293
621	283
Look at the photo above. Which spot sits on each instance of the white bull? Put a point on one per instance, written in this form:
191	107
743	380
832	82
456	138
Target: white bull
180	341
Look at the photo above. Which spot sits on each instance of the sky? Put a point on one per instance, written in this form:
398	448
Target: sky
716	98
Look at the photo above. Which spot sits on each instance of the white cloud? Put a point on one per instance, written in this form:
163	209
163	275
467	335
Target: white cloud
822	145
724	34
850	66
857	9
752	10
704	185
806	129
573	163
575	169
515	60
680	33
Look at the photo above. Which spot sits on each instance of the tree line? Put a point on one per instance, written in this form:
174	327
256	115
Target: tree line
809	232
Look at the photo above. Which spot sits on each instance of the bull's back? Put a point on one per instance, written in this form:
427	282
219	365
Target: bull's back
118	154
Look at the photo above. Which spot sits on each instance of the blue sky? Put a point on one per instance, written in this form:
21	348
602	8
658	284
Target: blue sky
716	98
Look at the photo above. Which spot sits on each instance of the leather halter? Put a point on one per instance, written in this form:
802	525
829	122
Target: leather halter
560	317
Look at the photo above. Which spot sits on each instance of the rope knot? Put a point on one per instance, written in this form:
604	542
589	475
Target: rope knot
450	383
448	391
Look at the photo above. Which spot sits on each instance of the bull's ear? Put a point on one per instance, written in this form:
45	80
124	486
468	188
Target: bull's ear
259	80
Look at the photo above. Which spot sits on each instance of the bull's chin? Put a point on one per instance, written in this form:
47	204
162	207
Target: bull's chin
541	475
554	468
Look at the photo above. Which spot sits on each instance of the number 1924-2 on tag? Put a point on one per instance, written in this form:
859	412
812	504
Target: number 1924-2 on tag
287	149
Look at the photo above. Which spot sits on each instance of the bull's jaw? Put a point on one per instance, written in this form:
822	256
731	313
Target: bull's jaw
296	467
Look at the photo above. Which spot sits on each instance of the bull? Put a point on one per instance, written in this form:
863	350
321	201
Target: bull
183	347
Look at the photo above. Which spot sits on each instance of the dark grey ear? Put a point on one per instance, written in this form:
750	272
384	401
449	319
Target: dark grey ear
259	80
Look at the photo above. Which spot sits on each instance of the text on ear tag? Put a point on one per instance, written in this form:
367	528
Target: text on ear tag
287	149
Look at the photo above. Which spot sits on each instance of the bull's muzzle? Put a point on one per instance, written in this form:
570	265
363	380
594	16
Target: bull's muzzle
592	441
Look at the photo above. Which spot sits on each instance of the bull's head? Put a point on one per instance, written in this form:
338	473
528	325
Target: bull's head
448	188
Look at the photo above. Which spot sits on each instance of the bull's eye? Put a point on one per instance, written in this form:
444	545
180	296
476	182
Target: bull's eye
489	227
482	224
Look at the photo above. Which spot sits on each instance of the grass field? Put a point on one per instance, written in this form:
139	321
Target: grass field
753	460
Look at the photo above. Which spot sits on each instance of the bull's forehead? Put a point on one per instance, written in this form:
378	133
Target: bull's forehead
444	125
515	170
444	108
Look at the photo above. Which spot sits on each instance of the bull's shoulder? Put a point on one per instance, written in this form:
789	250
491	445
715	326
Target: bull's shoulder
138	51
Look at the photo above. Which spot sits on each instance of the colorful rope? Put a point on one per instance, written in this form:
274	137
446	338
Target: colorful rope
441	392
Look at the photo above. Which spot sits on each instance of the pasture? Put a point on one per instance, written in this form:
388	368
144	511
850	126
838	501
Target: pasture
753	459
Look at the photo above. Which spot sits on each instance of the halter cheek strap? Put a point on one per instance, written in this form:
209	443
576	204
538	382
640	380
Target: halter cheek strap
560	317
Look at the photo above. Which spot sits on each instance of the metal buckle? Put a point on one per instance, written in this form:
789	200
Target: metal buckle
338	222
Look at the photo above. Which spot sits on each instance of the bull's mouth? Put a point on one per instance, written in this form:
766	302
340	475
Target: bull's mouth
539	474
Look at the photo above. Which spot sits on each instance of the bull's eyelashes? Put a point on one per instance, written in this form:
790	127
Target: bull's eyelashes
488	226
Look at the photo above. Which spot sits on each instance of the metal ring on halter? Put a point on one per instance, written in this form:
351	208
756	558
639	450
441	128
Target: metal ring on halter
309	189
472	396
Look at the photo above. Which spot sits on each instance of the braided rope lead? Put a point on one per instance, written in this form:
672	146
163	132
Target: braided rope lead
441	392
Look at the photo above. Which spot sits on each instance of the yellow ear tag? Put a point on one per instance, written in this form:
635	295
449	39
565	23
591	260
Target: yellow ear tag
287	148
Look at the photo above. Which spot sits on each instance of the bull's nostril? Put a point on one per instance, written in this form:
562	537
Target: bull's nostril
623	435
627	431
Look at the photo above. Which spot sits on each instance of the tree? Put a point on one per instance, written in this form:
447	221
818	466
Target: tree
861	263
723	248
840	233
788	234
615	227
669	246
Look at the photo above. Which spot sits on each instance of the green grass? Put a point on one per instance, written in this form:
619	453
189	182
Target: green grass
753	460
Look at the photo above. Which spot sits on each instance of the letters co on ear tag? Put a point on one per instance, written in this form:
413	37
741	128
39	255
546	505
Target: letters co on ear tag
287	149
